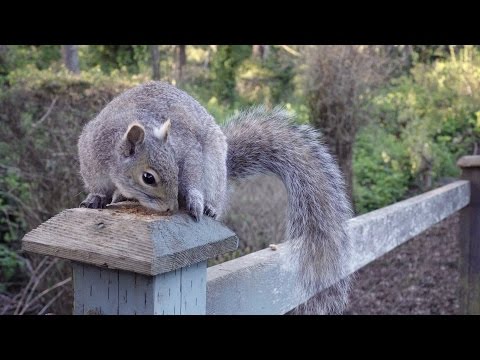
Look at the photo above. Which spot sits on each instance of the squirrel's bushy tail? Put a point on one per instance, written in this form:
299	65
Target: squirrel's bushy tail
268	141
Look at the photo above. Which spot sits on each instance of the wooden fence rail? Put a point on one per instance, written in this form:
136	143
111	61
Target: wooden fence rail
130	261
258	283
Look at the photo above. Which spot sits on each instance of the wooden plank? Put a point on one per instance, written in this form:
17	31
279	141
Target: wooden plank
95	290
470	239
100	291
469	161
193	289
380	231
136	293
130	238
261	283
167	293
257	283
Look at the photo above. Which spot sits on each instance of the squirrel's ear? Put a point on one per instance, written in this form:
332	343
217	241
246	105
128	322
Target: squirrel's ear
163	131
133	137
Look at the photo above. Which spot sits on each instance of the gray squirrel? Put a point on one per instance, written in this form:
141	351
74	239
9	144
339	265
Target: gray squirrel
156	144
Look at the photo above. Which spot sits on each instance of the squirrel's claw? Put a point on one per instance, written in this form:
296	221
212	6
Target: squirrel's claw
195	212
210	211
195	204
118	197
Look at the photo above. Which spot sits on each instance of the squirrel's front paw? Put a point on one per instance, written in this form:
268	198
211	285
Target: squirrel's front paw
94	201
194	202
210	211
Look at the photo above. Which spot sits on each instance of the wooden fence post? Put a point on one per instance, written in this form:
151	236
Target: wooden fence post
470	238
128	260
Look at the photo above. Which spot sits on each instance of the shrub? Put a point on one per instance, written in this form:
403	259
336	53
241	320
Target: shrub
435	113
381	168
42	115
269	81
424	122
224	63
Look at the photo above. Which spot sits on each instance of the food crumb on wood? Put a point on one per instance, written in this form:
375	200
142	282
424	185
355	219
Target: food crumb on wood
130	207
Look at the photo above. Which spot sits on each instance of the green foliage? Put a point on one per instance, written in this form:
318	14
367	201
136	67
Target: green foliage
435	111
12	224
428	54
236	80
19	56
433	116
381	168
10	264
41	56
422	122
43	112
223	68
264	82
129	58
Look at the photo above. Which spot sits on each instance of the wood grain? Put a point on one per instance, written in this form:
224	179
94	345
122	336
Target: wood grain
261	283
470	239
116	292
469	161
130	239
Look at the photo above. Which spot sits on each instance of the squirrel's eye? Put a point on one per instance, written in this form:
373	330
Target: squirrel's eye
148	178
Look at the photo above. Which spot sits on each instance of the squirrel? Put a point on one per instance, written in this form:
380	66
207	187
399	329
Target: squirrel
156	144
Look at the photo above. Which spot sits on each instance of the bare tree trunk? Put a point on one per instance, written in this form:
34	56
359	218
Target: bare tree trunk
257	51
180	62
345	161
337	79
210	49
339	144
408	56
155	58
266	52
260	52
70	58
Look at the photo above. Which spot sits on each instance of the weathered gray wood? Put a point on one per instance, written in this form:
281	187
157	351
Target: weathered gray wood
131	238
136	293
380	231
115	292
167	293
95	290
470	239
257	283
261	283
469	161
194	289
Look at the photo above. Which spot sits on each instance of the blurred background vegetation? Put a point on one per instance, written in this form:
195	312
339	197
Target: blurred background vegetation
397	117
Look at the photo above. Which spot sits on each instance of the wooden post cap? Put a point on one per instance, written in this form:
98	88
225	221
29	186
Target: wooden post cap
129	237
469	161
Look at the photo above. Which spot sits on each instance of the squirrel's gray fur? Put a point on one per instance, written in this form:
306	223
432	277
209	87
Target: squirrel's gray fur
159	129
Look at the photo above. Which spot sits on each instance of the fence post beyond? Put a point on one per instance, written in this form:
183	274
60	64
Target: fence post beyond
470	238
128	260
